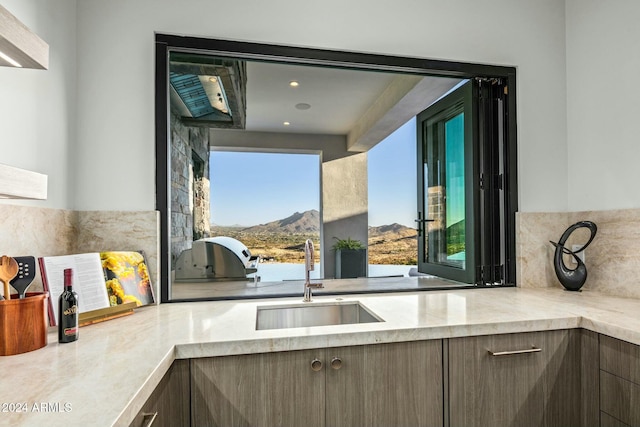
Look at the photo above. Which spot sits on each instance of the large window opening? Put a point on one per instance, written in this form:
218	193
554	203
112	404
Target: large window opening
260	200
245	97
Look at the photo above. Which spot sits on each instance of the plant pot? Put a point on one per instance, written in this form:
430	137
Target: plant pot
351	263
23	323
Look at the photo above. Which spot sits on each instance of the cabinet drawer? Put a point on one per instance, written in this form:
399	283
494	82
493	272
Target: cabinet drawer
528	379
607	420
620	358
620	398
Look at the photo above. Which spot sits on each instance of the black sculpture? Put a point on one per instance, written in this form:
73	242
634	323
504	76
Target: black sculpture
572	280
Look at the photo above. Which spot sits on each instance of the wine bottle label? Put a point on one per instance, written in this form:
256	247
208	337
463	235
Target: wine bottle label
70	331
71	310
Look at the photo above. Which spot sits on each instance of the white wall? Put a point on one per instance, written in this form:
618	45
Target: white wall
115	150
603	104
595	169
37	107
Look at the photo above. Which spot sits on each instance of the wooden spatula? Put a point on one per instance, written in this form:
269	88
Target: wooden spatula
8	270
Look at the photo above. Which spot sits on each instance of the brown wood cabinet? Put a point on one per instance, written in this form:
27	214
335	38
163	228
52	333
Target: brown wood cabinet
168	405
607	420
385	385
527	379
374	385
619	382
456	382
268	389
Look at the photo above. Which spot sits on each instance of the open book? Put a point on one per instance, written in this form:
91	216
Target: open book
101	280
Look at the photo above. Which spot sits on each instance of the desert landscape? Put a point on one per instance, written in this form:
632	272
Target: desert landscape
283	240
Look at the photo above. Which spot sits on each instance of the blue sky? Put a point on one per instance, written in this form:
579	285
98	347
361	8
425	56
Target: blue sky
256	188
392	178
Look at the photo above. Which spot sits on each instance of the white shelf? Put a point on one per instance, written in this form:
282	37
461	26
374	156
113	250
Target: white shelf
16	183
21	44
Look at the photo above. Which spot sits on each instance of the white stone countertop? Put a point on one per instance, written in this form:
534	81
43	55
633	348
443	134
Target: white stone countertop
104	378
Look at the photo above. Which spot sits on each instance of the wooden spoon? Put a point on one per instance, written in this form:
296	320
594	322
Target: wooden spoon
8	270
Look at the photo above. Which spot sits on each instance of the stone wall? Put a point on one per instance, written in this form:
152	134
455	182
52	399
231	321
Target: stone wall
189	185
201	208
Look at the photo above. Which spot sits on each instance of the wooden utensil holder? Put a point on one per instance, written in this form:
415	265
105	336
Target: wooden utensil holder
23	323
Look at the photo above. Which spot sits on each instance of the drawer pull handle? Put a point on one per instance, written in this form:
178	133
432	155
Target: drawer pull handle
148	419
512	352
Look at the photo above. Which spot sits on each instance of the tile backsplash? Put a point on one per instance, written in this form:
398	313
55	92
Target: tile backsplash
27	230
612	259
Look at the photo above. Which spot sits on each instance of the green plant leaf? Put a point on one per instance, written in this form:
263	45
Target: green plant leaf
347	243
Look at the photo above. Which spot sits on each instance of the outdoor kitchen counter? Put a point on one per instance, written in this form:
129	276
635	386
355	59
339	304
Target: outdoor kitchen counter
104	378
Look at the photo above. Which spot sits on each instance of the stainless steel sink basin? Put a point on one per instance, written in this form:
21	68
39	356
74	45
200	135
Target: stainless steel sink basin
316	314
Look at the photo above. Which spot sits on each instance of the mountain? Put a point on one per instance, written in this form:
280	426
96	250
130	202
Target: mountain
282	240
393	244
391	231
309	222
305	222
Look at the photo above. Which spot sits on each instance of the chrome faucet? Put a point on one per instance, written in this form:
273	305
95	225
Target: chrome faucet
308	267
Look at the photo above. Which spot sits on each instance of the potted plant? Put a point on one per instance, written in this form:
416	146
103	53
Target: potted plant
351	258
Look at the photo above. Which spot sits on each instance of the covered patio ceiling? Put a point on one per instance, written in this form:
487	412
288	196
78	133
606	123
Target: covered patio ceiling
362	105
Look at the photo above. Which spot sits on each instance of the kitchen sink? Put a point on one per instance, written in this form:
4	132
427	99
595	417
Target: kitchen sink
315	314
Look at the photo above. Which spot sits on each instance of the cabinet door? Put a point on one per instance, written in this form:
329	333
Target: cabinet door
619	382
540	388
168	405
397	384
620	358
620	398
271	389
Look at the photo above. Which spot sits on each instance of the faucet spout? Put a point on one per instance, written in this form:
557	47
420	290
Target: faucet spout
308	267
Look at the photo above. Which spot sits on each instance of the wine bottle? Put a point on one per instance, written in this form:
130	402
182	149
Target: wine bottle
68	310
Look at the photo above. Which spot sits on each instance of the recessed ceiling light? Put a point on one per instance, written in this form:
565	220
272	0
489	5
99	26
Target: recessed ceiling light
213	79
294	83
303	106
286	123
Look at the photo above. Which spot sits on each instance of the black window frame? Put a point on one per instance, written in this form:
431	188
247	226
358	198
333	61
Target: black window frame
430	135
164	43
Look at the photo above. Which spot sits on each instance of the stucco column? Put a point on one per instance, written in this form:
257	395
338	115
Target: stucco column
344	204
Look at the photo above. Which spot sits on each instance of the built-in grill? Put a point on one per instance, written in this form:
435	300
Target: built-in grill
216	258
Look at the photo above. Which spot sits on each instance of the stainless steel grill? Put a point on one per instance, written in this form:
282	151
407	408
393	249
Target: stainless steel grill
216	258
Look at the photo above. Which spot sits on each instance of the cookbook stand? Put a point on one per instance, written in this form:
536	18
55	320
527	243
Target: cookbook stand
104	314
